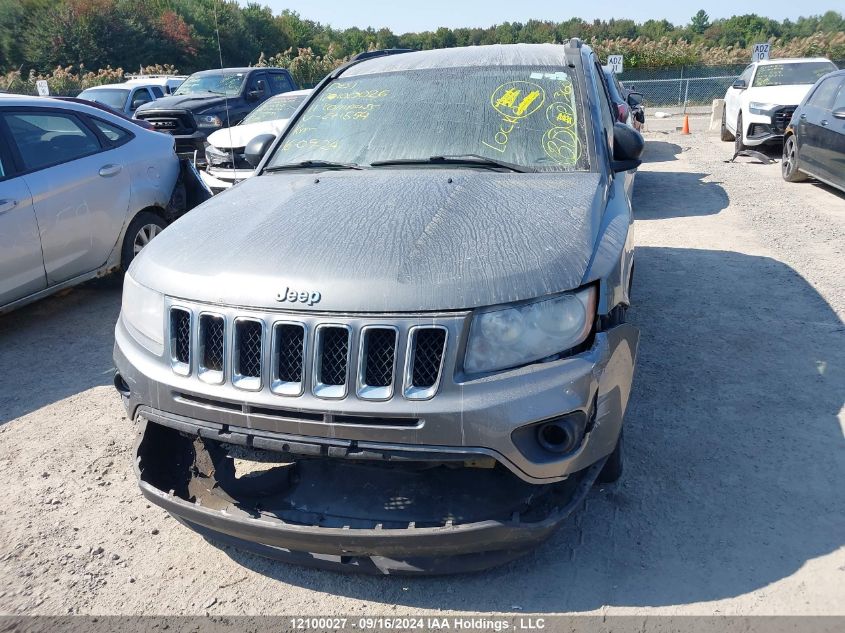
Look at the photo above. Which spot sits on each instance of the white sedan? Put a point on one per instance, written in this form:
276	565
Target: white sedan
224	154
760	102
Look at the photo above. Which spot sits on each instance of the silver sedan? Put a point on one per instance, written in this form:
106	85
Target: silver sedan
81	192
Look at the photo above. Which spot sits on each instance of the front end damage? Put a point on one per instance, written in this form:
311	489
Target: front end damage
410	517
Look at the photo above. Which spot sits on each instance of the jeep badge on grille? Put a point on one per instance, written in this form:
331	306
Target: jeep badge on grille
290	295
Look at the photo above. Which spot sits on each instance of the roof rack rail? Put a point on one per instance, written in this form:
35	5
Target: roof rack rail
381	53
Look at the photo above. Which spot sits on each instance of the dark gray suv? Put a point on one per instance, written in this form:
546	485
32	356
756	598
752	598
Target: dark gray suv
401	347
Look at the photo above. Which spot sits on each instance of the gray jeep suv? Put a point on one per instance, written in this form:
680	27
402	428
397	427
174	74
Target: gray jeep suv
401	347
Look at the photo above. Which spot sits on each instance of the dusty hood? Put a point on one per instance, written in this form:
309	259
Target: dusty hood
184	102
381	240
240	135
780	95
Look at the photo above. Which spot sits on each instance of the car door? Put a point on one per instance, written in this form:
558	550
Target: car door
79	186
139	97
733	97
814	116
280	83
21	265
830	150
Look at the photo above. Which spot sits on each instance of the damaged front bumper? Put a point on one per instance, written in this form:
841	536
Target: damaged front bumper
383	518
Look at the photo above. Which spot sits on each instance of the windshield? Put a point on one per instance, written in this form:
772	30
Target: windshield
228	84
799	73
275	108
527	116
114	98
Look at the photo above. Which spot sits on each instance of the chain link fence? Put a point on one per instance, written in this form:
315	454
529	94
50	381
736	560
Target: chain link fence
684	86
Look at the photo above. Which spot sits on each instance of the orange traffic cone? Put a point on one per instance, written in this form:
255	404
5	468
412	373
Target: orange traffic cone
685	129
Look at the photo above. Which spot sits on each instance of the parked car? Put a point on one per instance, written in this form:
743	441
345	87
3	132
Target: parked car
213	99
168	83
814	141
760	102
105	108
226	163
81	193
409	324
125	97
628	103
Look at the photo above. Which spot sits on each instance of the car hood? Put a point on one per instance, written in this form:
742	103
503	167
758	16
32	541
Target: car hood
780	95
194	102
240	135
381	240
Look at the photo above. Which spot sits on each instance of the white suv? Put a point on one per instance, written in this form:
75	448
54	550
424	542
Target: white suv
760	102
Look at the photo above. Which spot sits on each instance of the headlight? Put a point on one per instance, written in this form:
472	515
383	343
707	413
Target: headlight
142	311
209	120
509	337
756	107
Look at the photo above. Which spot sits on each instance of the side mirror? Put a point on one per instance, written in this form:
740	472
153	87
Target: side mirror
739	84
257	147
634	99
627	148
253	95
839	113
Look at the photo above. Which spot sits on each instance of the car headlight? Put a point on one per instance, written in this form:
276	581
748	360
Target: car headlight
500	338
142	311
209	120
755	107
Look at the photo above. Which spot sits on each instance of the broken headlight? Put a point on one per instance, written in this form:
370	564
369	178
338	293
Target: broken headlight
505	337
142	311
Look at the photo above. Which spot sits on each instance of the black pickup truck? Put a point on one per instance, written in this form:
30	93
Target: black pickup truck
212	99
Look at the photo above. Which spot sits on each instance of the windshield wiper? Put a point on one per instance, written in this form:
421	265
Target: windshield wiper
323	164
454	159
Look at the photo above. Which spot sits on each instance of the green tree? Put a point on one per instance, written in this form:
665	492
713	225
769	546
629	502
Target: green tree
700	22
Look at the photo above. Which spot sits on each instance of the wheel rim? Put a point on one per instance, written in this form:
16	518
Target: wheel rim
789	156
738	137
144	235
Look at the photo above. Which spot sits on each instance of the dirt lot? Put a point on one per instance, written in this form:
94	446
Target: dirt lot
732	499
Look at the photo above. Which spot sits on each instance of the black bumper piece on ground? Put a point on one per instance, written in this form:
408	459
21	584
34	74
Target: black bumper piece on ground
418	518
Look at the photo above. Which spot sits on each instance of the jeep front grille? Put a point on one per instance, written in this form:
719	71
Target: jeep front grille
359	356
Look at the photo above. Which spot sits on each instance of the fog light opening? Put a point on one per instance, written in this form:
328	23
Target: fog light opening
120	385
558	436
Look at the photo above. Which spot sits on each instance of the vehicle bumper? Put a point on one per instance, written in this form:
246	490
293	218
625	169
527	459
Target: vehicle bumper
768	127
220	179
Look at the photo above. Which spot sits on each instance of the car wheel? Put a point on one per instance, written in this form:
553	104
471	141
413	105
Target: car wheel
141	231
738	144
726	134
789	164
612	469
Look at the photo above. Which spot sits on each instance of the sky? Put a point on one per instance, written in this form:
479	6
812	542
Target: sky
426	15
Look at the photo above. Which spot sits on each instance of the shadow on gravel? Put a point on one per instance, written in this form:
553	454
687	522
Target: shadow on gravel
668	194
734	456
57	347
660	151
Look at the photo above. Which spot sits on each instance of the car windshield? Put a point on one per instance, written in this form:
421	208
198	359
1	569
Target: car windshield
527	116
279	107
221	83
798	73
112	97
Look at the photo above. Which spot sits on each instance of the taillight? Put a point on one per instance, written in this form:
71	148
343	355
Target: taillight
622	112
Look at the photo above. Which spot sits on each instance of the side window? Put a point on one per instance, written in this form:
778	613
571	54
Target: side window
139	98
49	138
824	95
604	98
115	135
258	83
280	83
158	93
839	102
746	75
2	169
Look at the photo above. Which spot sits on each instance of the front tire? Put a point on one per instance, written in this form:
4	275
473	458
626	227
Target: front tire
739	145
612	470
143	228
789	163
725	132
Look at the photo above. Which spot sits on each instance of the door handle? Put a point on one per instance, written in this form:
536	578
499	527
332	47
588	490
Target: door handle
803	116
7	205
107	171
824	122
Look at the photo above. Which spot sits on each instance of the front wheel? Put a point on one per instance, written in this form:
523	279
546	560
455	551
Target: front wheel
725	132
789	164
612	469
141	231
739	145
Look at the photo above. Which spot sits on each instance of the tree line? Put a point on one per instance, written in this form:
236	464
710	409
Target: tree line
40	35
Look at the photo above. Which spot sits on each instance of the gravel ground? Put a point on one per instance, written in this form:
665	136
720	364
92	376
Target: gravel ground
732	498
